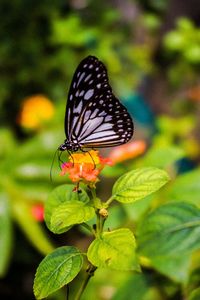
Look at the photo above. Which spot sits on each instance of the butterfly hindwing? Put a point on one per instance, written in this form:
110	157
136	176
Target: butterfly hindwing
94	116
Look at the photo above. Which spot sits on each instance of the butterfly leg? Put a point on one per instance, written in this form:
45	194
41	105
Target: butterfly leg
54	156
90	156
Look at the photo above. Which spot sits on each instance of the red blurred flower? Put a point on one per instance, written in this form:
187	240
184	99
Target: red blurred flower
37	211
128	151
85	167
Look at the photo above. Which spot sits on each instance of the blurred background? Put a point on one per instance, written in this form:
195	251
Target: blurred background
152	53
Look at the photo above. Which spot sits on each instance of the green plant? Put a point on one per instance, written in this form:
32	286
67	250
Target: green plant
68	206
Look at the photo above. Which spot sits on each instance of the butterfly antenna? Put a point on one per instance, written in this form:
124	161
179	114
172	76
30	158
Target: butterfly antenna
54	156
60	161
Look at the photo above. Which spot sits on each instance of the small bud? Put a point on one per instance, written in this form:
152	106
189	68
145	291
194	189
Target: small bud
103	212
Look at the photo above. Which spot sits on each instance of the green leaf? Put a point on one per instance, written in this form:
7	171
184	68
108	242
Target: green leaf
5	234
63	194
66	215
168	235
115	250
56	270
135	210
33	230
162	157
186	188
174	266
138	183
145	288
195	294
170	229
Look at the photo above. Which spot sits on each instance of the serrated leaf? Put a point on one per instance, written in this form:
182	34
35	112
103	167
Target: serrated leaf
75	212
56	270
115	250
61	195
138	183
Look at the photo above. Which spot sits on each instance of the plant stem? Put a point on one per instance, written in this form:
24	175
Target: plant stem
90	273
93	193
108	202
99	229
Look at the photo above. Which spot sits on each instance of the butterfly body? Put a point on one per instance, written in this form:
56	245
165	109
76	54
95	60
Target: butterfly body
94	117
70	146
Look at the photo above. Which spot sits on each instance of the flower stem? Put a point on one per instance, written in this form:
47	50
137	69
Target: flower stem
90	272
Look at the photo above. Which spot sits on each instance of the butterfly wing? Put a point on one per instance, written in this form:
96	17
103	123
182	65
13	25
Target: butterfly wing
94	116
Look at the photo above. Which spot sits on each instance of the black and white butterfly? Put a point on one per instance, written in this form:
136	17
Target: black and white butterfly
94	117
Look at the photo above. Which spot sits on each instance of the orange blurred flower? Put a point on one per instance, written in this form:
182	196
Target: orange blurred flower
85	167
128	151
34	111
194	93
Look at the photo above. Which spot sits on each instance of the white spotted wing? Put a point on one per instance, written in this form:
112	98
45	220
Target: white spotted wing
94	116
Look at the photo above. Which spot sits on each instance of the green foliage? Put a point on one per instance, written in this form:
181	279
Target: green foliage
57	269
145	289
139	183
24	183
183	44
40	50
43	53
162	156
167	235
115	250
64	197
110	249
178	230
75	212
195	295
5	233
186	187
185	40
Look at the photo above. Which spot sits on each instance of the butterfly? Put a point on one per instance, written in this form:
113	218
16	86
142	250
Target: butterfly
94	117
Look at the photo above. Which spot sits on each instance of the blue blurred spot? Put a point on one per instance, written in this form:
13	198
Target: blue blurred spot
140	110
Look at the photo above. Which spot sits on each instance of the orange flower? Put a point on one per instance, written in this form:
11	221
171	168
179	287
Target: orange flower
35	110
85	167
128	151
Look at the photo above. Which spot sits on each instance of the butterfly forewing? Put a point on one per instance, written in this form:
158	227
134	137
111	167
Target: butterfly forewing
94	116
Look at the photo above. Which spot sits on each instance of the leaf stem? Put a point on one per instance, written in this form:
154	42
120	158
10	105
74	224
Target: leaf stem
90	272
107	203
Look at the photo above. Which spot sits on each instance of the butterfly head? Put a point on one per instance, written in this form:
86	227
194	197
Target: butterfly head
70	146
